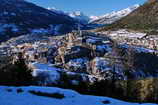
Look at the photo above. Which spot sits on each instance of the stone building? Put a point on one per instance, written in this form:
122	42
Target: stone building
71	39
62	51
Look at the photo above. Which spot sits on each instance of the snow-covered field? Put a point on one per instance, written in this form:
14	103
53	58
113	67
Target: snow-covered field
10	96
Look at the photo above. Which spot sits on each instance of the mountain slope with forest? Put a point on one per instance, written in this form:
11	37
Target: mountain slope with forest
143	18
19	17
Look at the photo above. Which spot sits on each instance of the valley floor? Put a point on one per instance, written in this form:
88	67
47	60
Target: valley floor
23	96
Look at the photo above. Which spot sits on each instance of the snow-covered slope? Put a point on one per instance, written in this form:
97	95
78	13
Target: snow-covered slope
93	18
114	16
24	96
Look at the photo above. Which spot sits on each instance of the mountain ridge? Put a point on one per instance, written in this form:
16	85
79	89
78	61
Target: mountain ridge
114	16
19	17
142	19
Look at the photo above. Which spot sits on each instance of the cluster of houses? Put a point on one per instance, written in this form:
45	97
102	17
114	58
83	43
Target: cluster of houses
75	44
32	52
39	51
89	50
134	38
56	48
60	49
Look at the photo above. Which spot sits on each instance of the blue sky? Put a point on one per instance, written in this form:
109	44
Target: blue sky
89	7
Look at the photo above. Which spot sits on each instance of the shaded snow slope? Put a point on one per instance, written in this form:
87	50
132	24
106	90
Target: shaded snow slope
70	97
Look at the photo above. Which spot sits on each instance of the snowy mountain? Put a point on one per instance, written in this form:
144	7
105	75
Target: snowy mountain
52	96
20	17
142	19
92	22
104	19
114	16
80	16
93	18
76	15
53	9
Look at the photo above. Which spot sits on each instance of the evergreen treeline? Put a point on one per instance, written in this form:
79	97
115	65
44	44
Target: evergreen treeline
17	74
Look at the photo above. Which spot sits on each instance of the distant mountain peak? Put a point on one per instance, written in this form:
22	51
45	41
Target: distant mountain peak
142	19
114	16
78	13
80	16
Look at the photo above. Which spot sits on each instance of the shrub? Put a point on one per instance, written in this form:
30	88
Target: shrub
21	73
52	95
9	90
106	102
17	74
19	90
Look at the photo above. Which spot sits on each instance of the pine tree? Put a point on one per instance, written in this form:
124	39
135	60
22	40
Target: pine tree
21	74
